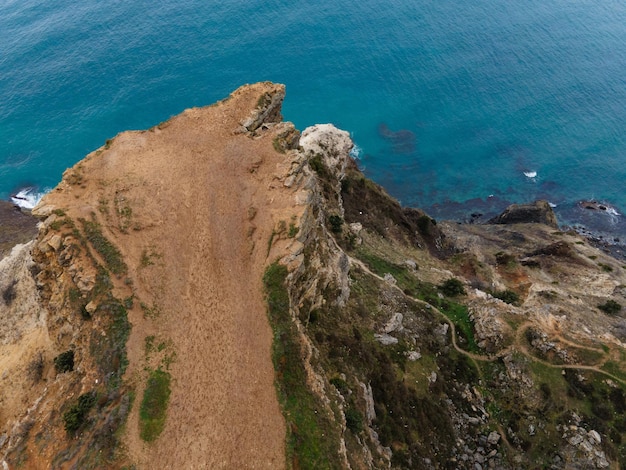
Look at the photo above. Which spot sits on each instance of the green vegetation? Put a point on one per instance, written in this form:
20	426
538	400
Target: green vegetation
401	274
75	417
64	362
318	166
277	144
459	315
310	444
154	405
452	288
293	230
508	296
110	254
9	294
425	225
150	312
610	307
336	223
605	267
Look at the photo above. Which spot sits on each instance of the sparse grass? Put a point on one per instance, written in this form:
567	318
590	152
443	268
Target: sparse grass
150	311
293	230
153	408
110	350
277	145
605	267
310	443
109	252
147	258
381	267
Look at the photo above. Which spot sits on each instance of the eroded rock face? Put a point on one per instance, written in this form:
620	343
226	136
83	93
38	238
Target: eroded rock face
538	212
331	144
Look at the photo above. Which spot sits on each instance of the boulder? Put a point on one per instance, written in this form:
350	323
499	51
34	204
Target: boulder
539	212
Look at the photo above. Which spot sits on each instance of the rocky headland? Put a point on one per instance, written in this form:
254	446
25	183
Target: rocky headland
221	291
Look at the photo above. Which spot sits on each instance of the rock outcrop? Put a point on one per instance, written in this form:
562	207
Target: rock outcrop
538	212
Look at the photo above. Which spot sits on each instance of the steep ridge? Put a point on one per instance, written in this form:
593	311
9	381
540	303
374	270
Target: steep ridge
135	333
183	214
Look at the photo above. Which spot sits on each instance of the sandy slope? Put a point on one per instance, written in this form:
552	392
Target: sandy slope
201	202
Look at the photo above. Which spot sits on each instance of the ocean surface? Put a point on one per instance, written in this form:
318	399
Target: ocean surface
457	107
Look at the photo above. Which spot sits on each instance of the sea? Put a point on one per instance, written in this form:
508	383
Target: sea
457	107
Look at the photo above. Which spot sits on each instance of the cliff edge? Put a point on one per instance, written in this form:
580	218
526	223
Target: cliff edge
221	291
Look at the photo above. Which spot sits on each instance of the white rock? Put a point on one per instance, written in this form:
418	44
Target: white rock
410	264
413	355
385	339
594	436
394	323
493	438
356	227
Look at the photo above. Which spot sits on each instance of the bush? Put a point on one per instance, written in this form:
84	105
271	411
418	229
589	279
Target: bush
354	420
610	307
74	418
452	287
507	296
9	294
335	223
64	362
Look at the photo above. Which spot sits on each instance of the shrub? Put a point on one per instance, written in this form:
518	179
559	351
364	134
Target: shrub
354	420
425	225
64	362
293	230
507	296
335	223
74	418
610	307
452	287
9	294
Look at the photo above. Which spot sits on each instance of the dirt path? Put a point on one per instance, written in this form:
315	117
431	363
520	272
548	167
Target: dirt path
518	344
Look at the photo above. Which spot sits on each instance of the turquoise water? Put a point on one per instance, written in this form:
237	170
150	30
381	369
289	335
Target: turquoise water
448	100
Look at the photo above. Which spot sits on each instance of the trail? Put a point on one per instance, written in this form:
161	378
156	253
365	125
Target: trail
518	344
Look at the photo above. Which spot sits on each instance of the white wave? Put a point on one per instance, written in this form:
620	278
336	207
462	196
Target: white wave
356	152
27	197
612	211
530	174
551	204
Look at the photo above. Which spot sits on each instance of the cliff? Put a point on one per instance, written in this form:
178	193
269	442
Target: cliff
220	291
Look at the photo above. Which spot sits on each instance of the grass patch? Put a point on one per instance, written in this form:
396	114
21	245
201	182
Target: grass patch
401	274
459	315
109	252
154	405
310	443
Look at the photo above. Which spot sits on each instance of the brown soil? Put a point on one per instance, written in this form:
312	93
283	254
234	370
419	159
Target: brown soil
192	205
